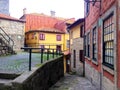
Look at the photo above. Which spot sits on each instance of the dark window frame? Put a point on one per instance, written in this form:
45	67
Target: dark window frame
81	55
94	44
58	37
41	36
85	46
87	5
81	31
108	41
88	45
74	58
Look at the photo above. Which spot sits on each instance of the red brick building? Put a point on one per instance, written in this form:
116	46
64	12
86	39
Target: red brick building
102	32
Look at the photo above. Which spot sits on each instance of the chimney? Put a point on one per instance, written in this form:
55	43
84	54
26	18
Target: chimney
52	13
24	11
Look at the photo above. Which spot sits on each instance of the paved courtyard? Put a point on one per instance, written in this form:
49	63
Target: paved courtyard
18	63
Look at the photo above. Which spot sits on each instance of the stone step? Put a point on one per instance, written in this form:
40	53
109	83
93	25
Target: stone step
8	75
2	81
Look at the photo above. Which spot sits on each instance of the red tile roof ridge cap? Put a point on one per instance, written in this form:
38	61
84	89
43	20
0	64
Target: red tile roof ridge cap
42	14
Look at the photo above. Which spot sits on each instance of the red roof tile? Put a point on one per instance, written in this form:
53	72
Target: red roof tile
36	21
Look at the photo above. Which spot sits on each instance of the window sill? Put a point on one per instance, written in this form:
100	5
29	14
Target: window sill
95	62
88	58
108	69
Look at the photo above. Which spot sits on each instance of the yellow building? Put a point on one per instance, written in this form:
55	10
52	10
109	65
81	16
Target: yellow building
50	38
44	31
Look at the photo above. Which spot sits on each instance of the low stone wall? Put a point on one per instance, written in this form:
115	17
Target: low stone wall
39	78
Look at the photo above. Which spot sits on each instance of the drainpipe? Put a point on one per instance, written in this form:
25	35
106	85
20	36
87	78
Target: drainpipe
84	50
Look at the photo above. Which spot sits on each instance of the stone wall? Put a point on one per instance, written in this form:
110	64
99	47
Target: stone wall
107	84
15	29
77	46
93	75
39	78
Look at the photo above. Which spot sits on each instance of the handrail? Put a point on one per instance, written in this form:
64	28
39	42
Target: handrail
7	38
57	53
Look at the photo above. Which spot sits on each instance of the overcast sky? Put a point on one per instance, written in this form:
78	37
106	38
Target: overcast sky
63	8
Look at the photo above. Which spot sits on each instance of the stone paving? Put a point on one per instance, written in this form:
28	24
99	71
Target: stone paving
73	82
18	63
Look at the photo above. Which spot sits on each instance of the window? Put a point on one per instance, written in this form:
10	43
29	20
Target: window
58	37
81	55
27	36
68	43
88	45
81	31
32	36
74	58
87	7
108	42
94	46
85	46
42	36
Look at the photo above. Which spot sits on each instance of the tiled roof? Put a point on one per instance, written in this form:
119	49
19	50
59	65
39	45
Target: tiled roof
36	21
68	20
7	17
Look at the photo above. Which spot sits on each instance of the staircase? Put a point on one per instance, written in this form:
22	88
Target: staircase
6	43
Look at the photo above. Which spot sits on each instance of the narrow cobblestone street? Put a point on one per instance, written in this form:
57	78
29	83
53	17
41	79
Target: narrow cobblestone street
73	82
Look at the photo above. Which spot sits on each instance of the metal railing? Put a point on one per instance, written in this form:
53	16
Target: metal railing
42	51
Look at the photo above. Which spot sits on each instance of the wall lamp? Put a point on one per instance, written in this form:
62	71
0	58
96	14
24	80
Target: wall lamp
93	2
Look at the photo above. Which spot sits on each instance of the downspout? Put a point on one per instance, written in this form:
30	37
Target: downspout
101	72
117	28
84	50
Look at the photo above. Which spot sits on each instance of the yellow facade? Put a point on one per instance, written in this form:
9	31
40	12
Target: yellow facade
75	32
32	40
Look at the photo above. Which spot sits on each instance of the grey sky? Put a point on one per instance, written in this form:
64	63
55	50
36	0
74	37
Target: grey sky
63	8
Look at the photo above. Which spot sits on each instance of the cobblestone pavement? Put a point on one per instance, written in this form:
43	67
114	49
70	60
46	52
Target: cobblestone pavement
18	63
73	82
